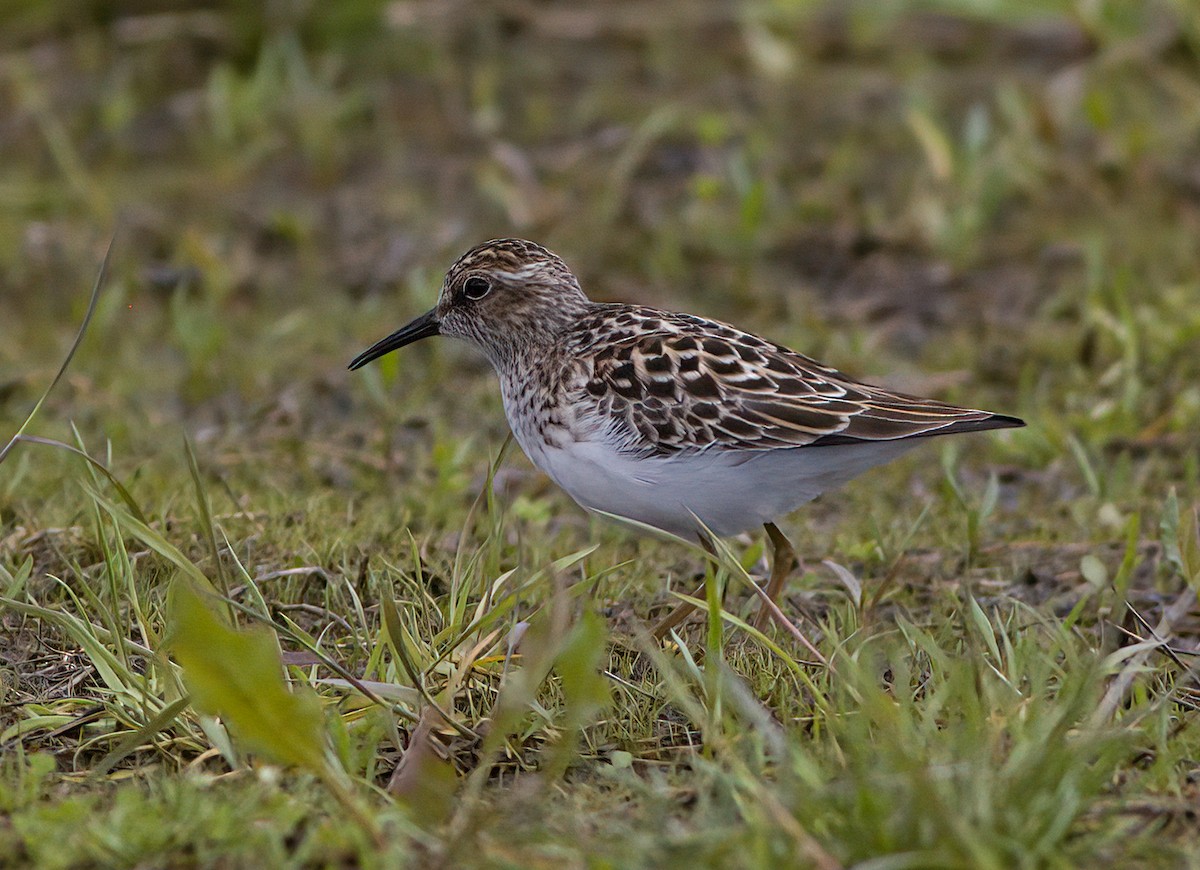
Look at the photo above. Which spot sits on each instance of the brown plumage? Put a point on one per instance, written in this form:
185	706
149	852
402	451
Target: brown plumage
676	382
673	421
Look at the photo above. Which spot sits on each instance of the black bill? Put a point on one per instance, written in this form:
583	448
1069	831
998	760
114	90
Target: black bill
423	327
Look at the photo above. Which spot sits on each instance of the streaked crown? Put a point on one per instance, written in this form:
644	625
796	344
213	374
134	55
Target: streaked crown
507	295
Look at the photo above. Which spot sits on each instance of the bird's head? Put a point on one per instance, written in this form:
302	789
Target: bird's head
504	296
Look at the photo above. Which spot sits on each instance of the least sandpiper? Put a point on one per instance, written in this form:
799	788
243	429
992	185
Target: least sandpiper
677	422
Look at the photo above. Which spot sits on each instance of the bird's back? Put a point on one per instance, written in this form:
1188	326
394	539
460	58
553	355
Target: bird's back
662	383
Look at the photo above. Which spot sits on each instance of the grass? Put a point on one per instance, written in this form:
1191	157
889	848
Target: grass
258	610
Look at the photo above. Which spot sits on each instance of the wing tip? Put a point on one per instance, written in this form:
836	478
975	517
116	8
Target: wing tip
1002	421
983	423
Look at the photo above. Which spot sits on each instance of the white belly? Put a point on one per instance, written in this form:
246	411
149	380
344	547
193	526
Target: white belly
728	491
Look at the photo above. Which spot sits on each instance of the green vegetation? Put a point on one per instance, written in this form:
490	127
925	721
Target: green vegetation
997	203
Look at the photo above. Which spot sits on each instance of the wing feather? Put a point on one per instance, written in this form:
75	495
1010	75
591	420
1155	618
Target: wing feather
690	384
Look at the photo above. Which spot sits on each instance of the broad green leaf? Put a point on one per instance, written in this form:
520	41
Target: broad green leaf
238	675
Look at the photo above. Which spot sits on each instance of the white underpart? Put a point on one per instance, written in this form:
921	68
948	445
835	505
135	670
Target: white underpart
730	491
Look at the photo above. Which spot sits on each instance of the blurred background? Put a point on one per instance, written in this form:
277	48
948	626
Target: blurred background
994	202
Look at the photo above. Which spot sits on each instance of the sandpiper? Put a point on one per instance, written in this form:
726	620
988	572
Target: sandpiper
677	422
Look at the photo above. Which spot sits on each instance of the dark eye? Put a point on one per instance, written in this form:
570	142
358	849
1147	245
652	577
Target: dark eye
476	287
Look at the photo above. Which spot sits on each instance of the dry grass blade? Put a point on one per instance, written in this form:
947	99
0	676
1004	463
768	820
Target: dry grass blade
1135	664
423	778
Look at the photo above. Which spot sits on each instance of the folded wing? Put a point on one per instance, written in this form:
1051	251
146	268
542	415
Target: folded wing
692	384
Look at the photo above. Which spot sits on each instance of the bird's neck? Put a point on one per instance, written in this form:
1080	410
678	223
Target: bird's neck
519	359
530	344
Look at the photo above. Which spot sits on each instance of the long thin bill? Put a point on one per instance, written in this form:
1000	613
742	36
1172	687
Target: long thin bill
423	327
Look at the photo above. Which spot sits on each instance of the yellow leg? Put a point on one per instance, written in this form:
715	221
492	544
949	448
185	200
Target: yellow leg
783	562
683	610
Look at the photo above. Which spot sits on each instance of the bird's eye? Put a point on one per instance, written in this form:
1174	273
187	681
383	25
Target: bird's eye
476	287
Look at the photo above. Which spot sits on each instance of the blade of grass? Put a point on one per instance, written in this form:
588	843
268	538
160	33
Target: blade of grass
62	369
